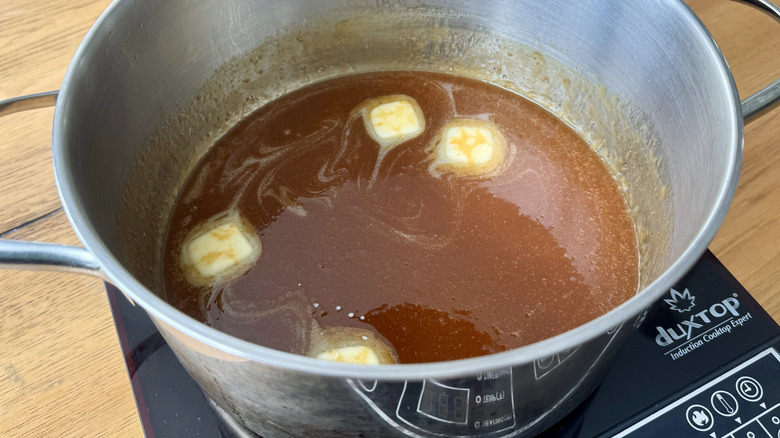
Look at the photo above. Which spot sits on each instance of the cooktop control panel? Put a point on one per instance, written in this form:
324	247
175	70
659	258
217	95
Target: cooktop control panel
741	403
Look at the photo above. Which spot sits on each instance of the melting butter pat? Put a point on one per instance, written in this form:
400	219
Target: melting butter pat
356	354
219	249
351	345
470	146
392	120
224	247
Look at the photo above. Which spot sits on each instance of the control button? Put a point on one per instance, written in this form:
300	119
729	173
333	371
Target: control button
724	403
699	418
749	389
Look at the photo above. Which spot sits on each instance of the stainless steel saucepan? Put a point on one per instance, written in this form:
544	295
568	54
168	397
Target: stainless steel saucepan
155	83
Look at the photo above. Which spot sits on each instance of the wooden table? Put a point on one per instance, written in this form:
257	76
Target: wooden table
61	368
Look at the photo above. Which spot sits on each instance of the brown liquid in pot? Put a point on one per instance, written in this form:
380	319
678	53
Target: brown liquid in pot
441	266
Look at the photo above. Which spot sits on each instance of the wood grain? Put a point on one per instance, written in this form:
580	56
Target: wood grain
61	370
37	42
748	243
61	367
25	168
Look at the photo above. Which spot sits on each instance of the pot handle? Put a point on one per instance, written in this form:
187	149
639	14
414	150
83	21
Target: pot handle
769	97
30	102
36	256
16	254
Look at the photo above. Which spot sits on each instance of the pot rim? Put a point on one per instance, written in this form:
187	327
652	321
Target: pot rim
160	310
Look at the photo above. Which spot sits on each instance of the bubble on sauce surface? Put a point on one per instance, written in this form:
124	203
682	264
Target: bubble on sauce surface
351	344
470	147
221	249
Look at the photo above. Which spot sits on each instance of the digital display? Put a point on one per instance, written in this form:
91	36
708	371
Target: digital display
444	403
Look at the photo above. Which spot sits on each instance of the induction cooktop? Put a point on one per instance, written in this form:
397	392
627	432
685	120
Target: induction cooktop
704	362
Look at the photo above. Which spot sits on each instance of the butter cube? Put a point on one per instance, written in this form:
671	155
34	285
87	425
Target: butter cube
218	249
469	146
355	354
392	120
351	345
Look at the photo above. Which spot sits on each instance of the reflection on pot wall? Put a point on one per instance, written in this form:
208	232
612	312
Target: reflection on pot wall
521	400
510	401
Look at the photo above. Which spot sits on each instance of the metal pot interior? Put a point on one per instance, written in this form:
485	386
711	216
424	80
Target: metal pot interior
156	83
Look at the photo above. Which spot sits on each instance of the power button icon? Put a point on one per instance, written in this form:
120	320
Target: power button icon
749	389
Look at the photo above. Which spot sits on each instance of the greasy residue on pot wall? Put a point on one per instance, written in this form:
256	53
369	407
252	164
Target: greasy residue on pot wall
393	39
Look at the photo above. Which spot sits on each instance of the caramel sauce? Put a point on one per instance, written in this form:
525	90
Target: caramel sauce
439	265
